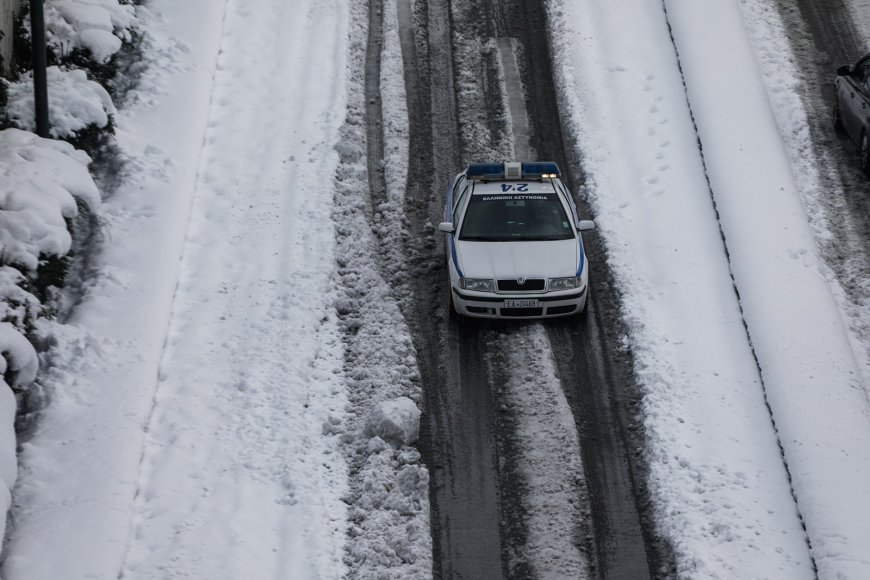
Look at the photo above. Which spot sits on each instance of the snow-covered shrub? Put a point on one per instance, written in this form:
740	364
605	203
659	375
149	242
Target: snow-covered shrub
80	110
18	365
87	34
17	306
41	181
41	184
98	26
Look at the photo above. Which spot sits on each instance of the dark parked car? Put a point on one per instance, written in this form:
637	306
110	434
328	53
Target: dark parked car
852	105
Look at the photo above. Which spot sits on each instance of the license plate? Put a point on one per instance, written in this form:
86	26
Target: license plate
521	303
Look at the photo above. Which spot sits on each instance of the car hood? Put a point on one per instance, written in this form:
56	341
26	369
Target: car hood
514	259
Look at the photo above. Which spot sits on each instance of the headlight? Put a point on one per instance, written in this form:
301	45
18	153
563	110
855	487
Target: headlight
477	284
565	283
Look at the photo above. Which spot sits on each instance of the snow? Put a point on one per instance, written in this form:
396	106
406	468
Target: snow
99	26
844	260
795	324
547	457
18	356
237	393
396	421
388	519
74	102
233	329
860	10
721	493
41	181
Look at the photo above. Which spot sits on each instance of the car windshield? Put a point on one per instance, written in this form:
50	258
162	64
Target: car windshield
515	218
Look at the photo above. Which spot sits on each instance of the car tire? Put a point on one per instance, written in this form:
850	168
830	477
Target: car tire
584	312
451	307
835	114
865	154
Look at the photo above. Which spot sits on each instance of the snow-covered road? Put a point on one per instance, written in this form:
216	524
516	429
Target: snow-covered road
211	325
270	267
713	451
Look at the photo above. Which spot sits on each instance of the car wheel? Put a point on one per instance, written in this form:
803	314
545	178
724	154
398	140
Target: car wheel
865	154
451	307
835	114
584	312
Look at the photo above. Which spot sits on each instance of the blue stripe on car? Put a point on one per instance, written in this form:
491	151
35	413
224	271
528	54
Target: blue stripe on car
453	255
582	256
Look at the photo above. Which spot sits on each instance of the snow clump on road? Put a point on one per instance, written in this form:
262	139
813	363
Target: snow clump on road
396	421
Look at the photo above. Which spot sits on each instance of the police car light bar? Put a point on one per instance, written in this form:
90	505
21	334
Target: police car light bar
530	170
542	169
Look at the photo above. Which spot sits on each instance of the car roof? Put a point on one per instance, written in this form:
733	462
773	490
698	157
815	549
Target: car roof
501	187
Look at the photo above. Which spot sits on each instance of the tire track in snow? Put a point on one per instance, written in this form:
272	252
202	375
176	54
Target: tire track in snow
459	417
622	545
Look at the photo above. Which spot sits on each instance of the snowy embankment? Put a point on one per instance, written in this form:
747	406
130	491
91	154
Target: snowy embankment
813	382
79	469
721	492
836	231
42	181
388	503
860	10
199	395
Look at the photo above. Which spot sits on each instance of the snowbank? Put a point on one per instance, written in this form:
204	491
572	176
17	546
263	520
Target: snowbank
74	102
388	502
719	488
41	181
812	379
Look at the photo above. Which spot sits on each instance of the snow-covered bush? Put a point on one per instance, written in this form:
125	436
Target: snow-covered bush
88	34
99	26
75	103
41	181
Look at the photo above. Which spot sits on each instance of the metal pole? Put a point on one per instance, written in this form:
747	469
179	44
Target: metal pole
40	82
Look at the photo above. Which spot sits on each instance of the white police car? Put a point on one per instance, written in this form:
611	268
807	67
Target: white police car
514	247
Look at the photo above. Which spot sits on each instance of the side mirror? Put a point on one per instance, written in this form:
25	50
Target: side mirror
844	70
585	225
446	227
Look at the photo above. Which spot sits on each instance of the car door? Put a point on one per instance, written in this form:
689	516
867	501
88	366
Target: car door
863	109
854	109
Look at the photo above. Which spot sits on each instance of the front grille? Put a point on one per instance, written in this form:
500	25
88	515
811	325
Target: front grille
521	311
531	285
562	309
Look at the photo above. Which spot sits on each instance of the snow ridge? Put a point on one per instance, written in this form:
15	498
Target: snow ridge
712	453
388	497
737	293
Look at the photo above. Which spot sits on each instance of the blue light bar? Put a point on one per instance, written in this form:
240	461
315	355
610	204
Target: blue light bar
541	169
530	170
485	171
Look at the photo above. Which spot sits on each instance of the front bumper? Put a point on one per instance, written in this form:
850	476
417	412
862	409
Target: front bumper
548	305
